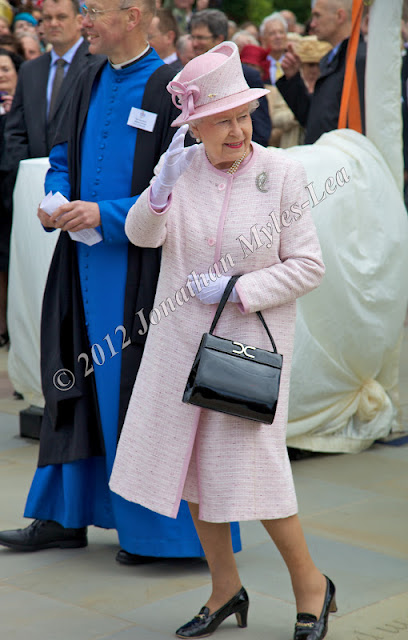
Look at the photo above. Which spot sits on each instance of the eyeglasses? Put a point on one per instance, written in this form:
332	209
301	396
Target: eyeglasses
92	14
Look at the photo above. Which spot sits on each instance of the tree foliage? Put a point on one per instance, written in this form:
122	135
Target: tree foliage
236	10
301	8
257	10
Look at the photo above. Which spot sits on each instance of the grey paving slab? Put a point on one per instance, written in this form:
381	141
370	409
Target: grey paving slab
92	579
367	471
366	524
317	496
385	620
14	564
26	615
139	633
9	430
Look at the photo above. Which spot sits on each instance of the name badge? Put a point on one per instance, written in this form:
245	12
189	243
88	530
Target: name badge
142	119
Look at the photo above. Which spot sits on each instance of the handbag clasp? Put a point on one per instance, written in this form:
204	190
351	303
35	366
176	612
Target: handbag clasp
244	350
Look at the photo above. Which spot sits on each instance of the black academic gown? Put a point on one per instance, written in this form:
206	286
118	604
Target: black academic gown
71	427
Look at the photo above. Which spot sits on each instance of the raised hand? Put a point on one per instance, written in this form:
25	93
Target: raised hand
177	159
291	62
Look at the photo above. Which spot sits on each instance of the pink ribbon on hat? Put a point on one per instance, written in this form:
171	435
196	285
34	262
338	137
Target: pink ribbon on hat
186	95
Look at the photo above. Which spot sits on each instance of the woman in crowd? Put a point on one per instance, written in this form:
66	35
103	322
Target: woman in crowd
205	203
311	51
31	45
9	66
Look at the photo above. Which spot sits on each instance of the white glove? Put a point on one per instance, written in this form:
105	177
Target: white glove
177	159
212	293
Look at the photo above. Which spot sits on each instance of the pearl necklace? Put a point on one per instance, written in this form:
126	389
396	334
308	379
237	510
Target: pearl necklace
234	167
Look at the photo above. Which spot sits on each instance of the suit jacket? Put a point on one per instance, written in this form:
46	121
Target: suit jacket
27	132
319	112
176	65
404	102
261	121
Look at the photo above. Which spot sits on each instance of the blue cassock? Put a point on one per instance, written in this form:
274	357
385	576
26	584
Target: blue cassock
76	494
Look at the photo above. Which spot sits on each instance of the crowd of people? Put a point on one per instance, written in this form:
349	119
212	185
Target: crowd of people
97	87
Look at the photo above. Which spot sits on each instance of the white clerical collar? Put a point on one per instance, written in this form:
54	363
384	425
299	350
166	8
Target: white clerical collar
171	58
122	65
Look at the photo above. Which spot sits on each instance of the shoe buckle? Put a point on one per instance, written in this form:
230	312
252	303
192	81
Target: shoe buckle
200	616
308	625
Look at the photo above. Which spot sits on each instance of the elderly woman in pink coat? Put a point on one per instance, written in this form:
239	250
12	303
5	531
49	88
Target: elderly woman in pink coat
224	206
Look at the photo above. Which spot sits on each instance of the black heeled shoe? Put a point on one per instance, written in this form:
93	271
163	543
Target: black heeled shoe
307	626
204	623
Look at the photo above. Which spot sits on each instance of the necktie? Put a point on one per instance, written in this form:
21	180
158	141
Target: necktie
58	78
279	72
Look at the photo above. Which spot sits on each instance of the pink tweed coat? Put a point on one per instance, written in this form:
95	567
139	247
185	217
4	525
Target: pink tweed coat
256	222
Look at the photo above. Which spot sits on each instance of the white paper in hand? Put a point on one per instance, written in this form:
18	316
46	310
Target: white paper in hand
51	202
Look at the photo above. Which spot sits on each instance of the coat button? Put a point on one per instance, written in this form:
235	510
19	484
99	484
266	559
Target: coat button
221	187
211	242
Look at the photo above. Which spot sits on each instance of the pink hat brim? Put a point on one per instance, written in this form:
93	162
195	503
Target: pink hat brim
224	104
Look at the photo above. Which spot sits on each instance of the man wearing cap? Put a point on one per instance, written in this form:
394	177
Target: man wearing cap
24	23
97	297
319	112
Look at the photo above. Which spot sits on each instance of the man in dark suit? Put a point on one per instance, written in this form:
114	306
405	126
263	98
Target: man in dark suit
319	112
208	28
33	121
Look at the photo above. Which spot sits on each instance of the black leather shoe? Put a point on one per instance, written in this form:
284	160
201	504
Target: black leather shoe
204	624
43	534
124	557
308	627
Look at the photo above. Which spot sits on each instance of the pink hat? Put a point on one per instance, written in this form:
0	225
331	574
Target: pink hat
211	83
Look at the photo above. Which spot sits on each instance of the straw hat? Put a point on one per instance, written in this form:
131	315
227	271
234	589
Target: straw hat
310	49
211	83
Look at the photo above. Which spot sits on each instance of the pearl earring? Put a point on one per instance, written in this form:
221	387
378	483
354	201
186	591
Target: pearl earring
198	140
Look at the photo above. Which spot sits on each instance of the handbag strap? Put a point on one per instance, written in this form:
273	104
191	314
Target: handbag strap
222	303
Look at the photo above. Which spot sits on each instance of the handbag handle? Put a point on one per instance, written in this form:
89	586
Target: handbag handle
222	303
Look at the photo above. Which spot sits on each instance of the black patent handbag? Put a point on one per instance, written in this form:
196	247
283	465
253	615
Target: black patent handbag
232	377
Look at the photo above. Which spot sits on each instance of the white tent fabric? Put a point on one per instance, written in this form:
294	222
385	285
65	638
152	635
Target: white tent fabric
383	83
31	251
345	366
